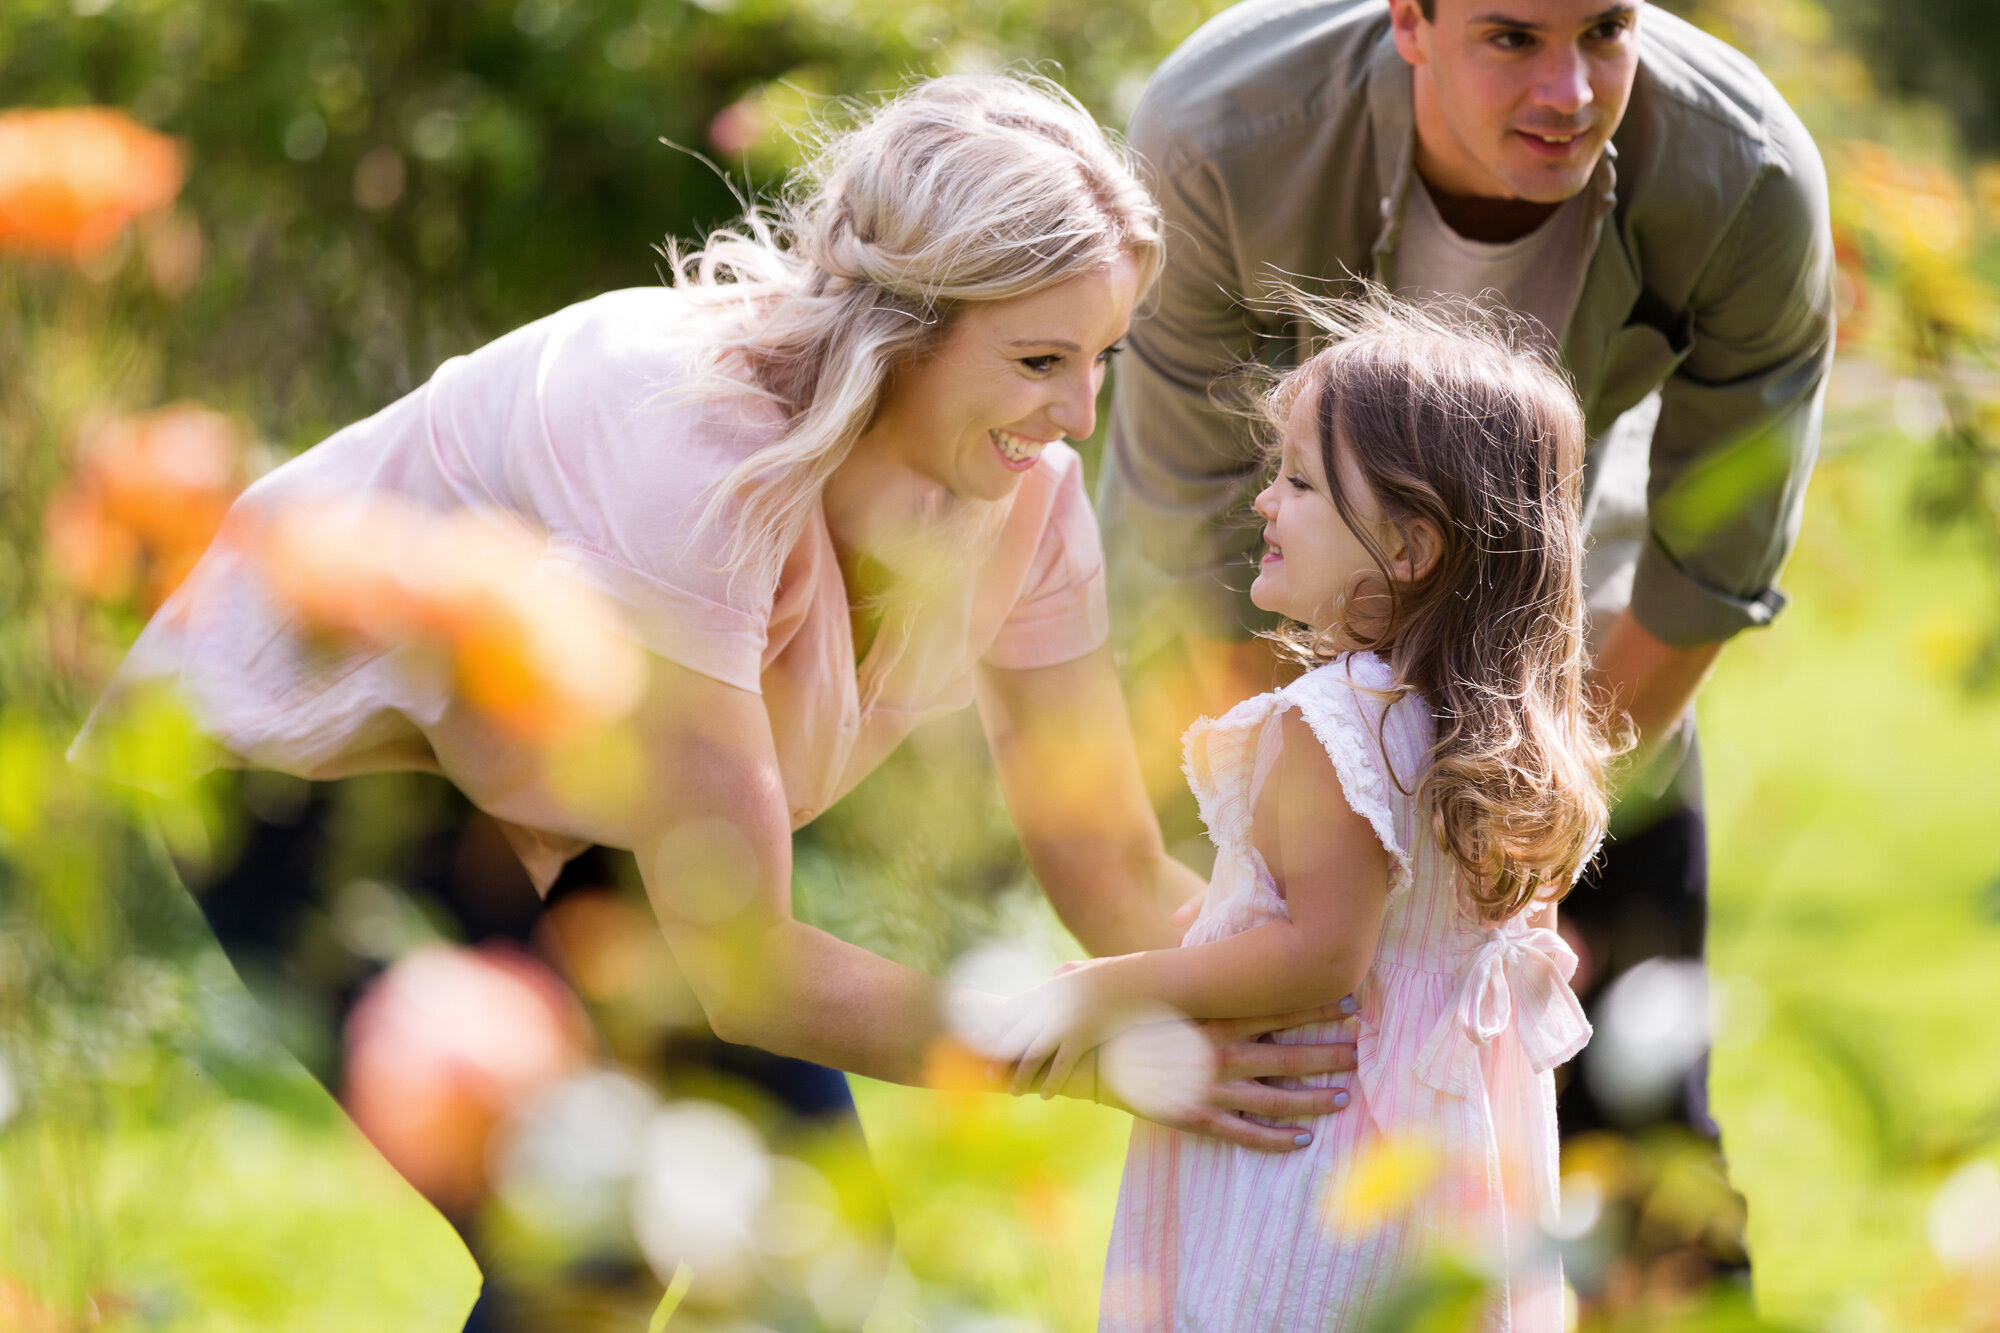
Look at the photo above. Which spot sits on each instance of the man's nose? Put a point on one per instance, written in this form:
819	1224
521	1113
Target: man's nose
1562	82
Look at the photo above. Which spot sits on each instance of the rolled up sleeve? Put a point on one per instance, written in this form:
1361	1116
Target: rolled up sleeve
1740	419
1182	466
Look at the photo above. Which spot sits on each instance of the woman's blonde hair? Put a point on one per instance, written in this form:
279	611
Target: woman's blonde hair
1453	418
959	190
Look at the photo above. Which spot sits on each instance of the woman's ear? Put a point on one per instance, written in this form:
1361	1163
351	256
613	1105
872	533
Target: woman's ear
1419	546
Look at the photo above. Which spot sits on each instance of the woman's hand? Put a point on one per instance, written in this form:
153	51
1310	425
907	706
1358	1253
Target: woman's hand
1238	1062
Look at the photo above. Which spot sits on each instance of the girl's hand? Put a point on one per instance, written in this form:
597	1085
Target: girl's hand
1049	1029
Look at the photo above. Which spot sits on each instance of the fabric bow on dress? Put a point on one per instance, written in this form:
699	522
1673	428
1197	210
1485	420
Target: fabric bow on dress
1520	978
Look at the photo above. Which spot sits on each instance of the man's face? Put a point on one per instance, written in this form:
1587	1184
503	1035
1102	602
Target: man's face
1516	99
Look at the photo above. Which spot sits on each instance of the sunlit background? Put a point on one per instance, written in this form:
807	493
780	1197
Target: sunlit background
229	226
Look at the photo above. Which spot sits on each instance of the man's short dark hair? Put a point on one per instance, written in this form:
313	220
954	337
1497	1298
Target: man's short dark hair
1430	10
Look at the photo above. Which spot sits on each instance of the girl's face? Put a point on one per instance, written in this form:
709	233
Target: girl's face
1312	559
1012	377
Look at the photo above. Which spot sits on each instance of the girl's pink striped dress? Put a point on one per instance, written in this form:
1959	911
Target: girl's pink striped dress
1447	1150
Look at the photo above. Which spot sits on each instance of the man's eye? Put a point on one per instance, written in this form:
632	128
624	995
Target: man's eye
1610	30
1513	40
1041	365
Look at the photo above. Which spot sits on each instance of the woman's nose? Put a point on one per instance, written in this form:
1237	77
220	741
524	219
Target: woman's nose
1075	413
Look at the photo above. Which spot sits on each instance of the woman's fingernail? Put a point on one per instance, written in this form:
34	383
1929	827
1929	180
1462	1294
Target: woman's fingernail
1339	1100
1348	1005
1302	1139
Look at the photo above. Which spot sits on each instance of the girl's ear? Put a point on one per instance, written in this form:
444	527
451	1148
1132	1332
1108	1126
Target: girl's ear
1419	546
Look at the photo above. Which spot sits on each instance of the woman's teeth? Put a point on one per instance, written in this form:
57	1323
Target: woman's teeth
1018	448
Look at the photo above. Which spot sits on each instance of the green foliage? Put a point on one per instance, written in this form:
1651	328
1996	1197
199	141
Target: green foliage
374	186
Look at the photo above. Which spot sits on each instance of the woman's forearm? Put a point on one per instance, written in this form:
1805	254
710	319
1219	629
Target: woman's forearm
795	990
1115	900
1270	969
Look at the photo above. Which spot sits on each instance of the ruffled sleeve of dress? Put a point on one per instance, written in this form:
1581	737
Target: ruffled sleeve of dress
1377	738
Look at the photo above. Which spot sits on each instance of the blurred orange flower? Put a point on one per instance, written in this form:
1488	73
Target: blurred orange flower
148	495
72	180
540	657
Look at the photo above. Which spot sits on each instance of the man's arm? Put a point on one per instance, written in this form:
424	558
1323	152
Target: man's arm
1184	465
1739	420
1653	683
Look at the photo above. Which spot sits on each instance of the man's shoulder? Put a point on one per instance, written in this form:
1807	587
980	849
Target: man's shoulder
1702	105
1256	71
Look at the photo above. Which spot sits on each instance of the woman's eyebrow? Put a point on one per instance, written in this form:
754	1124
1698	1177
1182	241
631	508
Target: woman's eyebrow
1063	343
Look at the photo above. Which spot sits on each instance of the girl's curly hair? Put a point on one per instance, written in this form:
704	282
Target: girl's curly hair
1454	418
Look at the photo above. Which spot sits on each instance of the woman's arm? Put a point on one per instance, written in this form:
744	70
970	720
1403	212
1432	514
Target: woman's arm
712	835
1062	742
1334	874
713	840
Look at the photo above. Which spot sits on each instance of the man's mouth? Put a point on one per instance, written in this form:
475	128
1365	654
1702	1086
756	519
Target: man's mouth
1018	451
1552	143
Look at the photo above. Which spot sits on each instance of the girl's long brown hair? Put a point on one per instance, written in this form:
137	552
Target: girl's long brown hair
1454	419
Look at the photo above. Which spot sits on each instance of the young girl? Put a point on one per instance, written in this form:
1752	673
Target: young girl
1397	823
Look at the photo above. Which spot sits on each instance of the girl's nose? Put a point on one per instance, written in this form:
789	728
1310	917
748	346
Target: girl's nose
1266	504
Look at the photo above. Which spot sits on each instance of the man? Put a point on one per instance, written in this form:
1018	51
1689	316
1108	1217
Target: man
1634	185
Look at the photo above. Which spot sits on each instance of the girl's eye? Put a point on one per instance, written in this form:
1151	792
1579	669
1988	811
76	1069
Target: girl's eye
1298	483
1041	365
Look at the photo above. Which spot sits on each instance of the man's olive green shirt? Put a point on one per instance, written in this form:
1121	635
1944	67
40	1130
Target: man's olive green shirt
1279	139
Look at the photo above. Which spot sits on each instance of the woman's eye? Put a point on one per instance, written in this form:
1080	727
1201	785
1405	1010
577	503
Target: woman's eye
1298	483
1041	365
1105	357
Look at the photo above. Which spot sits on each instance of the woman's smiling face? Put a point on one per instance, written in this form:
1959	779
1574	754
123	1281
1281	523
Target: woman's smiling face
1010	378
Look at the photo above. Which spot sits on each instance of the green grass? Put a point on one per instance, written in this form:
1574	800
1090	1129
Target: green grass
1853	787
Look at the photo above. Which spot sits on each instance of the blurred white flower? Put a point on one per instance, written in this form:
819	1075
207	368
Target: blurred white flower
10	1094
1581	1205
569	1155
1965	1217
978	978
702	1184
1651	1027
802	1213
1160	1066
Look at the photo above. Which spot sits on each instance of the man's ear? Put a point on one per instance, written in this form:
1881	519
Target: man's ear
1420	545
1405	18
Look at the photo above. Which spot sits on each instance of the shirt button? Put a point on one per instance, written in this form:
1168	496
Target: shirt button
1388	205
802	814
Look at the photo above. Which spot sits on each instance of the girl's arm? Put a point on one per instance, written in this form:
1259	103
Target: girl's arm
1334	874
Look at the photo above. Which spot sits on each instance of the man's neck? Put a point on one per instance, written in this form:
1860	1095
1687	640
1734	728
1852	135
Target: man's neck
1486	219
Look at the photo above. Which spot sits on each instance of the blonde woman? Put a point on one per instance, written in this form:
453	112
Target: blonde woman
822	477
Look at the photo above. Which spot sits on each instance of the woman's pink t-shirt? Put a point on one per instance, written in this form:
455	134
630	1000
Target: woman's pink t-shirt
581	425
